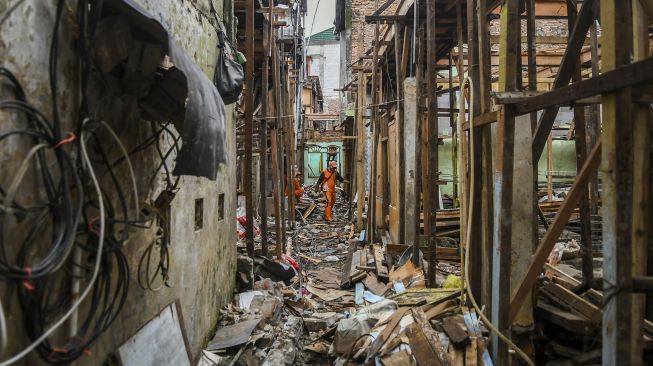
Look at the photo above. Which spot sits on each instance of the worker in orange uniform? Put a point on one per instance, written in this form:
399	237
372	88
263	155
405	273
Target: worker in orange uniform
327	182
297	186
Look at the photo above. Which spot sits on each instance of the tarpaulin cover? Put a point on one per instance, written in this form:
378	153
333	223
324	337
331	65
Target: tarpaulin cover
203	129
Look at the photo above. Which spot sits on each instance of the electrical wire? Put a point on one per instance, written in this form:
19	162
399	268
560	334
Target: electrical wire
470	208
96	268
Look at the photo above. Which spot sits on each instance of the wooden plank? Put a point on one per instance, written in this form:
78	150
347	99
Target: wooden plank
263	144
345	280
509	54
452	326
548	242
486	174
381	270
431	336
564	319
641	180
471	353
572	301
617	175
580	142
567	66
380	341
360	149
401	49
412	152
419	344
430	145
249	128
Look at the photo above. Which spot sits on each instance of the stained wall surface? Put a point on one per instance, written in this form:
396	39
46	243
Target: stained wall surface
202	267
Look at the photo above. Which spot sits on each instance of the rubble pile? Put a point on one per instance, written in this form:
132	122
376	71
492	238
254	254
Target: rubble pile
333	300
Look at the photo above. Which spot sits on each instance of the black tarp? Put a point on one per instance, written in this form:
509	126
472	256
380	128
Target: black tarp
203	130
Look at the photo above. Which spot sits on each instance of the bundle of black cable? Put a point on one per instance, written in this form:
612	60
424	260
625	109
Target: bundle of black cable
73	236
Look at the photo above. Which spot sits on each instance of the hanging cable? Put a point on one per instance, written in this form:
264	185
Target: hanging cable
87	164
470	208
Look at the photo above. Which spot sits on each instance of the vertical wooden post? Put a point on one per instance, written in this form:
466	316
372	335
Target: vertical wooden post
617	173
509	52
249	124
360	148
374	125
549	168
385	179
430	146
280	145
641	184
412	152
532	86
263	143
487	208
581	155
419	92
594	122
276	188
476	255
290	147
400	75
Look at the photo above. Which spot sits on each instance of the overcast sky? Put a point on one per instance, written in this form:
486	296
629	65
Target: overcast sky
324	18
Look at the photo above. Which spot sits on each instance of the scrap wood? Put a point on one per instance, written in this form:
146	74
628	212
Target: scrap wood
566	320
405	272
327	295
422	296
314	260
400	358
453	326
441	308
570	300
309	211
345	280
351	232
422	349
471	353
373	284
381	270
383	337
431	335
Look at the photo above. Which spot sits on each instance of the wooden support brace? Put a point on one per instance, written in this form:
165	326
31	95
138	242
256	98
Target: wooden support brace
555	229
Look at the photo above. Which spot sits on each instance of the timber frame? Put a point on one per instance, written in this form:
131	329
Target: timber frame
605	77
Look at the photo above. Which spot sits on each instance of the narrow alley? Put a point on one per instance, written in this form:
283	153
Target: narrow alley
326	182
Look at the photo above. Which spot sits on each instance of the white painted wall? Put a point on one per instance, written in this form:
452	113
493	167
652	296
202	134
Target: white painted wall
325	64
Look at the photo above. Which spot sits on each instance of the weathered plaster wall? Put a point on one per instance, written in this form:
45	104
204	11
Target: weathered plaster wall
202	261
325	64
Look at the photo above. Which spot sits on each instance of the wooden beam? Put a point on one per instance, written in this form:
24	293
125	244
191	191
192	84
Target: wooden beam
509	54
360	149
578	189
263	142
617	175
249	125
567	66
639	72
641	180
276	176
487	171
580	142
430	143
401	62
411	217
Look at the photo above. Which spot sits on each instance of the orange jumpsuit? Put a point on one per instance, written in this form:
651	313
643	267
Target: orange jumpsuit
297	188
327	182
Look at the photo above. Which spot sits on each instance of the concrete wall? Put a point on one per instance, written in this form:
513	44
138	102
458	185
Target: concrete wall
202	268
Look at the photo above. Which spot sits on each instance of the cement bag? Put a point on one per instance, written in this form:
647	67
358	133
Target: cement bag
360	323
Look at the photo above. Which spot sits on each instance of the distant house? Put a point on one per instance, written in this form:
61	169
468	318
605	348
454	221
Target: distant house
323	61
